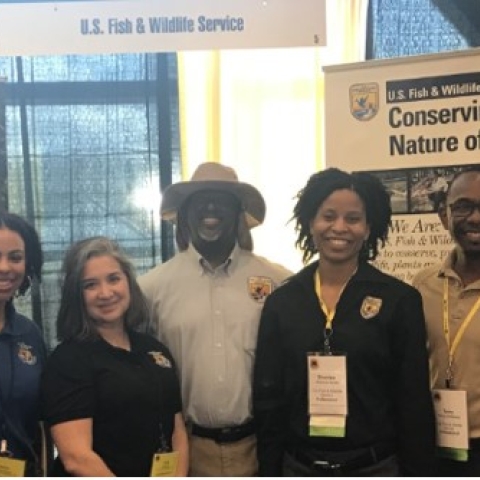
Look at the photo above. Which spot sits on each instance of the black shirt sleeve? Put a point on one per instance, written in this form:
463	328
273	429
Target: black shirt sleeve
67	386
269	404
413	400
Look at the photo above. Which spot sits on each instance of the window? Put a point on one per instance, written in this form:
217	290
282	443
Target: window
90	141
412	27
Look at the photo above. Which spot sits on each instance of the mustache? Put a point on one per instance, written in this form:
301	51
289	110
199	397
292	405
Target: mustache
464	229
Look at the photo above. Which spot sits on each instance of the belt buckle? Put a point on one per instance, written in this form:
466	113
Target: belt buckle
224	434
326	465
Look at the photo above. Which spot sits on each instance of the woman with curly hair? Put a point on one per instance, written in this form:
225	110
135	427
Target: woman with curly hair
341	372
22	350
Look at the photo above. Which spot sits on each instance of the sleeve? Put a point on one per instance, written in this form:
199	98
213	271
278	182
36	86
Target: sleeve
413	400
67	387
269	403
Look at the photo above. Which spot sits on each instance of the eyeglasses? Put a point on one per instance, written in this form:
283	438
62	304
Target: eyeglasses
463	208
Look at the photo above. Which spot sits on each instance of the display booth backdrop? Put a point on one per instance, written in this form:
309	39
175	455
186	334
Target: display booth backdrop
414	122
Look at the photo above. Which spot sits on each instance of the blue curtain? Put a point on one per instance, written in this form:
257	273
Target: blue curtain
90	143
413	27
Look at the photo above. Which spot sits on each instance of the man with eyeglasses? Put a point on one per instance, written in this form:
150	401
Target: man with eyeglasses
451	298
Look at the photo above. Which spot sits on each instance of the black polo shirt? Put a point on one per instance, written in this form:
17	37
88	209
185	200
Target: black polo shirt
389	398
132	398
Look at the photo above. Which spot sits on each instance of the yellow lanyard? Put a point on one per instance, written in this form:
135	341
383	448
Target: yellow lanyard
452	347
329	314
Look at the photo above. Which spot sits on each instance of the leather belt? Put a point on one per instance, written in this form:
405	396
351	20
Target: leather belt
366	458
224	434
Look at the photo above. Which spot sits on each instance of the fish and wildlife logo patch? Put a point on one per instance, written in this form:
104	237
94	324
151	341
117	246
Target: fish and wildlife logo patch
25	354
259	288
364	100
370	307
160	359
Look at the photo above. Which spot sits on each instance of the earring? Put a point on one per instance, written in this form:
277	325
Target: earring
27	282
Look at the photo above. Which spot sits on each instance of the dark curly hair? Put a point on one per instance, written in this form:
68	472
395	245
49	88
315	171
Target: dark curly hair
33	248
321	185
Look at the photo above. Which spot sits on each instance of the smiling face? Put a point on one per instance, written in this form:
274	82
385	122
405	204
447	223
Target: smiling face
12	263
106	291
340	228
462	220
212	217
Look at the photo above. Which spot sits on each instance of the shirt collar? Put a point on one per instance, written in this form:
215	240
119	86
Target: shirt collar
365	273
12	327
204	266
447	268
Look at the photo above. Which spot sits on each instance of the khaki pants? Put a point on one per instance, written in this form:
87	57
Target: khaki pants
211	459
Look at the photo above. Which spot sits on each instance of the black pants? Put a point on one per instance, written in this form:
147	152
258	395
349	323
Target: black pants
388	467
452	468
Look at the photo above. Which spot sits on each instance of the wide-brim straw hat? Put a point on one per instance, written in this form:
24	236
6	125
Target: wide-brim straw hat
214	176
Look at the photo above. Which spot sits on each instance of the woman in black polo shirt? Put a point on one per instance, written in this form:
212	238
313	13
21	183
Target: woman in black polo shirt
341	381
110	394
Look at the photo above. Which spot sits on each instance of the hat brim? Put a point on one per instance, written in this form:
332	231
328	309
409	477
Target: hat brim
251	199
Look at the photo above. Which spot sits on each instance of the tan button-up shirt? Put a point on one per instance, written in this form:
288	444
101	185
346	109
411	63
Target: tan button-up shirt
466	361
209	320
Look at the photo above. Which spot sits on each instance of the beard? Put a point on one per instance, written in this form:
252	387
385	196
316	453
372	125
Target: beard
469	246
472	255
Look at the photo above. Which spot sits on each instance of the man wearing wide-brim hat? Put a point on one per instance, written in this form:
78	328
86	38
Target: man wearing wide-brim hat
206	302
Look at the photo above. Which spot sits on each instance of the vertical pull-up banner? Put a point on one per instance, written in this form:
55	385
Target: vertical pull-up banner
414	122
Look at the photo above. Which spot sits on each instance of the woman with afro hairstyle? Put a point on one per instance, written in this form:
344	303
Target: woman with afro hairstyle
341	372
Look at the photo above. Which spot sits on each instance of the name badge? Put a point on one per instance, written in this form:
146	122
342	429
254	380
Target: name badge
327	395
164	464
452	423
12	467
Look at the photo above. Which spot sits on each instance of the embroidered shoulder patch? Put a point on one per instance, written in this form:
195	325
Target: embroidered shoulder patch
370	307
160	359
259	288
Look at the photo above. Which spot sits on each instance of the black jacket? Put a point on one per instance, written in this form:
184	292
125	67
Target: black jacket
389	397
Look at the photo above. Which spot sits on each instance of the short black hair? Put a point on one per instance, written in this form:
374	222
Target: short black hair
469	169
321	185
33	248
